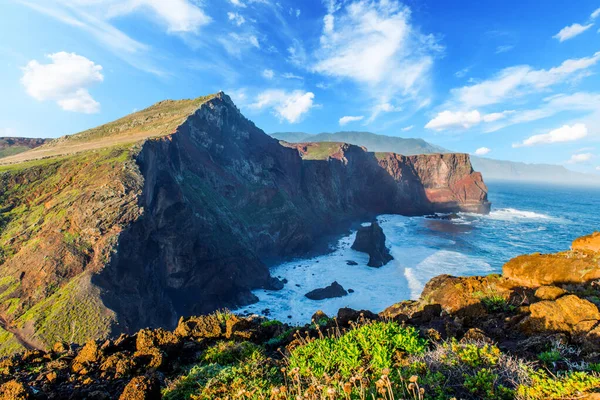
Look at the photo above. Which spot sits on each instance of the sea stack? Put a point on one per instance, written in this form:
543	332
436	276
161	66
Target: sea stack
371	240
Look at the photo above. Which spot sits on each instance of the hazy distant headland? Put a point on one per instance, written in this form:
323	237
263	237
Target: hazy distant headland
499	170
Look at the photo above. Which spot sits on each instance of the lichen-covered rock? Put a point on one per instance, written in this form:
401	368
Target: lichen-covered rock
549	292
552	269
588	243
207	326
371	240
568	314
14	390
142	388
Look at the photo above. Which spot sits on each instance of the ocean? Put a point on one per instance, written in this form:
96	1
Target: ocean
525	218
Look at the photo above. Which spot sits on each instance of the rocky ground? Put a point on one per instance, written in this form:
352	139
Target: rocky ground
532	332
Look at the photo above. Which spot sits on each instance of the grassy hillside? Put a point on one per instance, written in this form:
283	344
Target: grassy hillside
62	207
157	120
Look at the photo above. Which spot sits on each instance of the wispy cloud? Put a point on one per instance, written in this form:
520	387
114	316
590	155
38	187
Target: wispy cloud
580	158
569	32
289	106
346	120
518	81
381	32
463	120
408	128
504	48
563	134
482	151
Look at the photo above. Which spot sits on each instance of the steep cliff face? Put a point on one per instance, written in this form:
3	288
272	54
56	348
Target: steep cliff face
154	227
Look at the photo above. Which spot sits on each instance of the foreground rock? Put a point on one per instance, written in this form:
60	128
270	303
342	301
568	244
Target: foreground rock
329	292
371	240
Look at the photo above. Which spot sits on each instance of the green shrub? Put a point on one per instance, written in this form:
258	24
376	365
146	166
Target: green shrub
550	357
370	346
565	386
270	323
226	353
483	385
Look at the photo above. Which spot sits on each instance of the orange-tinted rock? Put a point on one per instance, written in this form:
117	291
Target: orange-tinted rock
14	390
90	353
588	243
142	388
462	296
552	269
207	326
568	314
549	292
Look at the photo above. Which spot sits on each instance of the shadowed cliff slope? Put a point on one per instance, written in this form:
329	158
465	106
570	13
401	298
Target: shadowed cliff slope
14	145
173	211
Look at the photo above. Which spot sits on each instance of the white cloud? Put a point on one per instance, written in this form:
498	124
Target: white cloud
234	43
289	75
580	158
462	73
8	132
581	101
236	18
518	81
504	48
374	44
289	106
569	32
596	14
408	128
177	15
463	119
482	151
237	3
268	73
598	168
348	119
563	134
65	80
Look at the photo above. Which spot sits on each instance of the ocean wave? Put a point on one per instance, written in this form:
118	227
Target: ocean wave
512	214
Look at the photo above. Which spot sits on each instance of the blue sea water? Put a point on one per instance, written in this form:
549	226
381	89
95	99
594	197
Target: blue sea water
525	218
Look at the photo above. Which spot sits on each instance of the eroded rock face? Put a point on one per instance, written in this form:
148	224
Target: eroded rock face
371	240
329	292
552	269
568	314
588	243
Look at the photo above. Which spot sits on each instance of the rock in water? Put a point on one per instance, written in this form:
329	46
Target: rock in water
371	240
331	291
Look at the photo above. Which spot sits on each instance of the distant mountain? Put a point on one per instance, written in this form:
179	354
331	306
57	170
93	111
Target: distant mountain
491	169
9	146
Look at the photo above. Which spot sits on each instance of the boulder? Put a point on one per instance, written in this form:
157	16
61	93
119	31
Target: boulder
329	292
347	315
568	314
588	243
207	326
142	388
552	269
14	390
549	292
371	240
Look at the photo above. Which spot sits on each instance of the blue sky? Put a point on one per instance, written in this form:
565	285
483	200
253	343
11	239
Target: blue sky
515	80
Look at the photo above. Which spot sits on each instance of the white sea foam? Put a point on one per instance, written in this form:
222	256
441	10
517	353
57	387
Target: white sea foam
510	214
417	258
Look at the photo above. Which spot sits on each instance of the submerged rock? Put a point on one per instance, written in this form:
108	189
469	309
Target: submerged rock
329	292
371	240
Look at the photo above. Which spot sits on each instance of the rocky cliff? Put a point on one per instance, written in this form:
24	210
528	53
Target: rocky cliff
175	211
